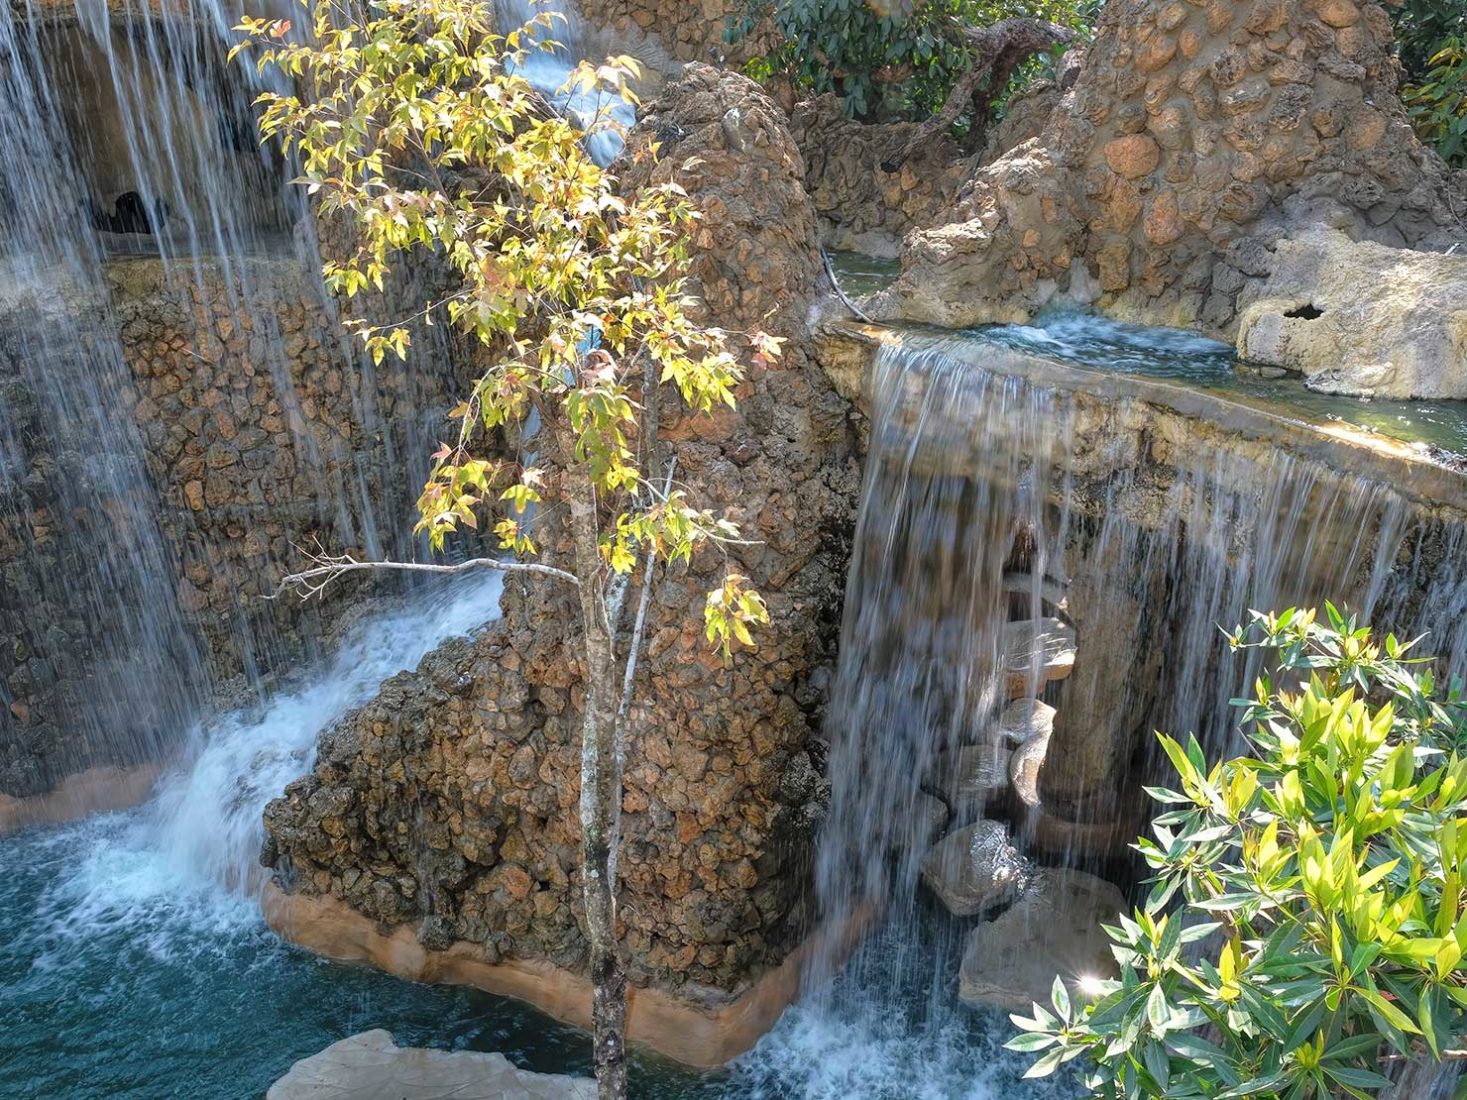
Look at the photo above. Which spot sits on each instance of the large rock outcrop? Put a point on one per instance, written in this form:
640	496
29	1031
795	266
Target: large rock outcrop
1198	133
1360	318
448	804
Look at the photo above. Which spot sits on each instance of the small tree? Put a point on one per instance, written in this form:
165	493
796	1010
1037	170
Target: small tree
410	121
1306	928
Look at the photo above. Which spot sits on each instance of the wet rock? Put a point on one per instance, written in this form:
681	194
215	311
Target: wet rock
1036	652
1053	929
972	779
930	815
1360	318
1025	765
1025	720
976	869
371	1066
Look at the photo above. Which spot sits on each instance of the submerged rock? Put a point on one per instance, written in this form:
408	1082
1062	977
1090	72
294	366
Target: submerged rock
1361	319
371	1066
975	869
1054	928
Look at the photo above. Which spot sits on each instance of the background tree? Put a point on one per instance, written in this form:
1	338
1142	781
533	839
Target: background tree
1306	928
903	58
409	120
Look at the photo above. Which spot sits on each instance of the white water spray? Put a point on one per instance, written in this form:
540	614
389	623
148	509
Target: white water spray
195	847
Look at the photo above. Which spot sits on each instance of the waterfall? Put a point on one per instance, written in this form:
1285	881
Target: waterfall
547	66
178	405
991	499
146	924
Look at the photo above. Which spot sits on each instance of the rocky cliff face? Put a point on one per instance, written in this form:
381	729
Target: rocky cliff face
688	31
1198	133
449	803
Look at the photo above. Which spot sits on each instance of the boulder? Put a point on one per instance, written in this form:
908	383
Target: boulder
1053	929
1036	652
1360	318
1024	767
930	817
1025	720
976	869
371	1066
971	779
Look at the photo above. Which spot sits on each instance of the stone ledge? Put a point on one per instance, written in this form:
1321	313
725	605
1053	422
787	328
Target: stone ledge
94	791
704	1033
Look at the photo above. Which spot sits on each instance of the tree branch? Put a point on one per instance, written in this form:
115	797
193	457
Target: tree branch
998	50
641	621
313	581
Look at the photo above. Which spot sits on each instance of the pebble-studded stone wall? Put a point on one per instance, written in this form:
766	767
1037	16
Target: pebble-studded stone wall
449	803
686	29
258	431
872	187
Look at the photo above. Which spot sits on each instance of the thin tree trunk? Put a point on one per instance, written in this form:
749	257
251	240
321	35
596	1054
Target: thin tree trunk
600	795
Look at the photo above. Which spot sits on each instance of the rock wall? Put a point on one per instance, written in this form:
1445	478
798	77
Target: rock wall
688	30
871	192
1198	133
252	429
867	203
448	804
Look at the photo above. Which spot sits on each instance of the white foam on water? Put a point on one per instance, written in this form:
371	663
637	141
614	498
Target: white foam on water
189	859
867	1050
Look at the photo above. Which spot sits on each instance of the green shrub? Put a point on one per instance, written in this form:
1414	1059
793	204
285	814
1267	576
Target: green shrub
885	59
1422	29
1306	923
1438	105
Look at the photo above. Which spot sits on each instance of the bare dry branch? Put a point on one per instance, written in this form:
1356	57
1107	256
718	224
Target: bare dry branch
312	582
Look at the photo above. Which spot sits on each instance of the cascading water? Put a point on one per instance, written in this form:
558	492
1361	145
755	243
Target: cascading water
144	923
991	500
548	67
127	148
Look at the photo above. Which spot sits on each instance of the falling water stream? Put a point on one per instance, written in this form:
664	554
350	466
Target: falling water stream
136	961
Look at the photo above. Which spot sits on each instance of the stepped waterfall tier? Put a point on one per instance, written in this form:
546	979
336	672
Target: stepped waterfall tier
256	845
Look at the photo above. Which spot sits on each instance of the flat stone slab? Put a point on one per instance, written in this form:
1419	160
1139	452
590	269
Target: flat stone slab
975	869
371	1066
1053	929
1036	652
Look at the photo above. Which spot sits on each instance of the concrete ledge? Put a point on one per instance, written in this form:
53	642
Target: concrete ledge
704	1030
94	791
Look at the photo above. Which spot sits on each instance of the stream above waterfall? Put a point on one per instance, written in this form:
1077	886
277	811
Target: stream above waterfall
1438	428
